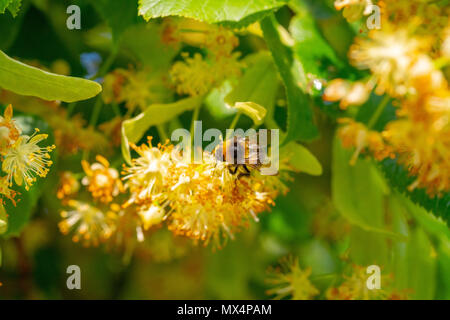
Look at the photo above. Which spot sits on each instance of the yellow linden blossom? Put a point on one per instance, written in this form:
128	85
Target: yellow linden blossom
289	280
70	134
25	160
5	191
221	41
354	287
426	156
350	94
89	224
102	181
9	132
356	135
128	229
197	75
68	185
430	18
137	88
207	203
405	58
145	177
204	201
390	55
192	76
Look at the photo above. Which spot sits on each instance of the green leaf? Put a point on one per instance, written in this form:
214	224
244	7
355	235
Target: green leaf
12	5
258	85
29	81
433	225
133	129
422	265
331	24
300	124
368	247
143	41
19	215
399	178
119	14
358	192
314	53
301	159
443	282
208	11
10	28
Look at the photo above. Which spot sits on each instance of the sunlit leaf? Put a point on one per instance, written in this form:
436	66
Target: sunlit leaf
421	266
300	125
12	5
301	159
357	191
210	11
143	41
314	53
26	80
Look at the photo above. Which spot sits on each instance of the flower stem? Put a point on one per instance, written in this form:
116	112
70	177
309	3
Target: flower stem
373	120
70	109
96	112
194	118
234	122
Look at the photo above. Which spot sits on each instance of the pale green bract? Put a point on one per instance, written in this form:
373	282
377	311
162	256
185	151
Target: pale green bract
133	129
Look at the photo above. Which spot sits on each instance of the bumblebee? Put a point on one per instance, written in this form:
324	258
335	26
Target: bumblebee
241	154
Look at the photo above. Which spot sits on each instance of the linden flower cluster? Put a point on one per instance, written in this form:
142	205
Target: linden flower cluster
405	65
289	280
137	88
196	75
22	158
92	222
204	202
354	287
70	133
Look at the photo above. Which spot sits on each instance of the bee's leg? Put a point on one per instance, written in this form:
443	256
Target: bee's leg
233	170
244	174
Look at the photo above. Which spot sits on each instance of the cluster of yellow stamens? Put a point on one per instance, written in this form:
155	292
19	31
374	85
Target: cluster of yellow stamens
22	158
407	65
202	201
102	181
198	74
